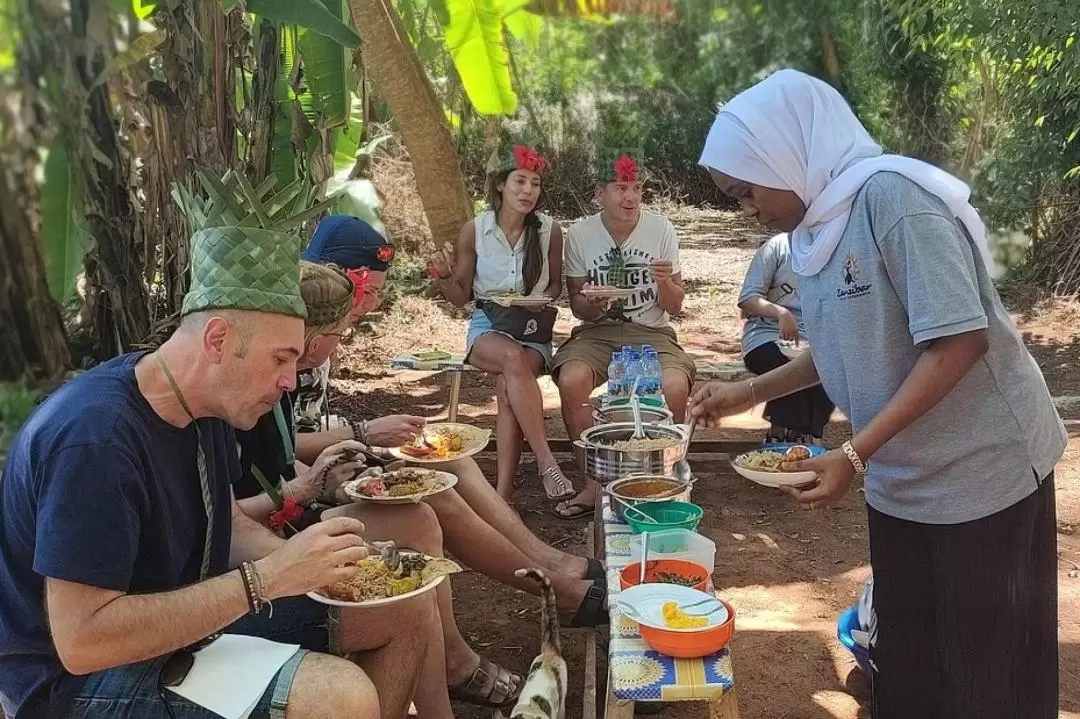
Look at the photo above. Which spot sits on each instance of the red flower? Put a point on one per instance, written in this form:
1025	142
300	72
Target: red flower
626	169
289	512
433	272
385	253
527	158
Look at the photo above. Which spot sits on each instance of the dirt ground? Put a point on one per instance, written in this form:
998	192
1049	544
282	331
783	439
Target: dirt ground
788	573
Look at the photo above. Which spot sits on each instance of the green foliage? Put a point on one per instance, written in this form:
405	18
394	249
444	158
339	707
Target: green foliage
64	240
310	14
17	402
475	40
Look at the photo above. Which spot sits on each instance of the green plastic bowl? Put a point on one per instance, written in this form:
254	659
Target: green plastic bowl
668	515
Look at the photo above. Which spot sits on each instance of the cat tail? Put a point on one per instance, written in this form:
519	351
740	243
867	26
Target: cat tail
549	611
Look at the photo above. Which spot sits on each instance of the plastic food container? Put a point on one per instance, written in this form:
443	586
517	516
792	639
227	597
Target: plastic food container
665	515
676	544
664	570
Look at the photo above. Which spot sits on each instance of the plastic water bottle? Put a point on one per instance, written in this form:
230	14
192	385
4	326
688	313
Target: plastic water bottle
616	374
652	370
633	372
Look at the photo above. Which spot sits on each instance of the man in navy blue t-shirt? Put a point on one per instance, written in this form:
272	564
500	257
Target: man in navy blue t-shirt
121	543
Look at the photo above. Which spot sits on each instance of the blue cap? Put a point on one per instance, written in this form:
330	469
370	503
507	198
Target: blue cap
348	242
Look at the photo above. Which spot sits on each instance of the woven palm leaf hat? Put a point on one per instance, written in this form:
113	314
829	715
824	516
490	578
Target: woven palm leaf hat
245	268
619	164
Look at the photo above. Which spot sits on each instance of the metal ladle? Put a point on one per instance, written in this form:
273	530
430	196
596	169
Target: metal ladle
681	470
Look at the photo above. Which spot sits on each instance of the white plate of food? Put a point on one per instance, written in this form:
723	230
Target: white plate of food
765	465
644	603
607	291
791	350
442	442
519	300
375	584
405	486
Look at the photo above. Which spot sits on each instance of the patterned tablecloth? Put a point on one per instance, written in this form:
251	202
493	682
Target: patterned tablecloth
637	672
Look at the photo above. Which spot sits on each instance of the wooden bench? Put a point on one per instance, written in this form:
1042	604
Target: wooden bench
455	366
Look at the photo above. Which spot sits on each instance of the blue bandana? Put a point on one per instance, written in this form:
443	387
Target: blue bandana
349	242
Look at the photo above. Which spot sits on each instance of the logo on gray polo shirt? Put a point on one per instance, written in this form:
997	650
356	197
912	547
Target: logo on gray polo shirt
852	273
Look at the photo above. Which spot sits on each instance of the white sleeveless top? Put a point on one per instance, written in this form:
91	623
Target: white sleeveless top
498	266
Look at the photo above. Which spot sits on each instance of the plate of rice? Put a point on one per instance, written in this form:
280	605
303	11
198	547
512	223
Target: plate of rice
375	584
404	486
766	465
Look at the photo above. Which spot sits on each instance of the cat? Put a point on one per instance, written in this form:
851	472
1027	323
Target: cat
543	696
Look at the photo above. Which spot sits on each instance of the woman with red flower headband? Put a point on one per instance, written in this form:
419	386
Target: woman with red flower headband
511	250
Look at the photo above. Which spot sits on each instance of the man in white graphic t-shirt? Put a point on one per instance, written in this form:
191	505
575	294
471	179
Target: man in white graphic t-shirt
620	246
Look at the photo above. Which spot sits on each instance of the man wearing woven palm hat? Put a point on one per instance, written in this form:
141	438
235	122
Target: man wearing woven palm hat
130	551
621	246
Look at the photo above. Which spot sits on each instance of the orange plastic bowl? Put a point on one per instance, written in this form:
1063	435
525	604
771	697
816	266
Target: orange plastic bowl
682	568
691	645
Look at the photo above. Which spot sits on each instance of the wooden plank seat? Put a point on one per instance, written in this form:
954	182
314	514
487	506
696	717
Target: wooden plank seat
454	366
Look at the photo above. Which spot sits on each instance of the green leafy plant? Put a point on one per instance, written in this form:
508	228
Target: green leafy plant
17	402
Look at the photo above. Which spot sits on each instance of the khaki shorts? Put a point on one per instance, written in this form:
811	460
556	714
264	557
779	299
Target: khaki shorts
593	345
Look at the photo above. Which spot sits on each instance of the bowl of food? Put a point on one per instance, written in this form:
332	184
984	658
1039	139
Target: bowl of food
658	516
682	572
769	464
678	621
610	451
632	491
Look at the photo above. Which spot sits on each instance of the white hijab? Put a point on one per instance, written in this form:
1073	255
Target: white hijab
795	132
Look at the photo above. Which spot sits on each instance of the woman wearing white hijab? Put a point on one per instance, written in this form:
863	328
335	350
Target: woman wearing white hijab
955	432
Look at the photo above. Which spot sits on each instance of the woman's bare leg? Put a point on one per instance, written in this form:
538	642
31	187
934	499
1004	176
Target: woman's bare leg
508	439
520	367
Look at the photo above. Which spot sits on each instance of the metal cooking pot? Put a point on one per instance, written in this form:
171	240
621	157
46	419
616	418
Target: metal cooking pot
604	463
679	492
623	413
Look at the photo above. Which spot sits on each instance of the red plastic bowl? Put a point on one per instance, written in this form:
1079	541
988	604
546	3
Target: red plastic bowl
684	568
691	645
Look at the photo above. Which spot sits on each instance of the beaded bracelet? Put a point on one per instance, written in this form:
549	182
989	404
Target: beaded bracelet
254	588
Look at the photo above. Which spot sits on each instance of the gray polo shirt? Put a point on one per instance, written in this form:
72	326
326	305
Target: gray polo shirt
906	273
770	276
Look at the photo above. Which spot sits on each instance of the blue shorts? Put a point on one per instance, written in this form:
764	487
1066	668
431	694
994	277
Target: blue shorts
132	691
479	324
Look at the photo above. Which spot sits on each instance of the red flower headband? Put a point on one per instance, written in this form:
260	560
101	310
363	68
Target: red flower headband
527	158
626	169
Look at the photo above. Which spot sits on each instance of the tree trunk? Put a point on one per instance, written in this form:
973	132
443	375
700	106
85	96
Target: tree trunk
403	84
110	215
192	122
32	338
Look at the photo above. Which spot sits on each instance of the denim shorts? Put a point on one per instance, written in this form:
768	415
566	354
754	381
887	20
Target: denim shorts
479	324
132	691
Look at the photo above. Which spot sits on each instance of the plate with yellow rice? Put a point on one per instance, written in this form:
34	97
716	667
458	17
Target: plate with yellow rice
672	607
374	583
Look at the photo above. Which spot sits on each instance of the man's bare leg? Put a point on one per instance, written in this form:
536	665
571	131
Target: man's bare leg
485	549
391	644
416	527
676	393
330	687
576	382
489	507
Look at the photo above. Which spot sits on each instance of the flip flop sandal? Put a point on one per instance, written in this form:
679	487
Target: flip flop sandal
592	612
572	510
488	674
555	477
